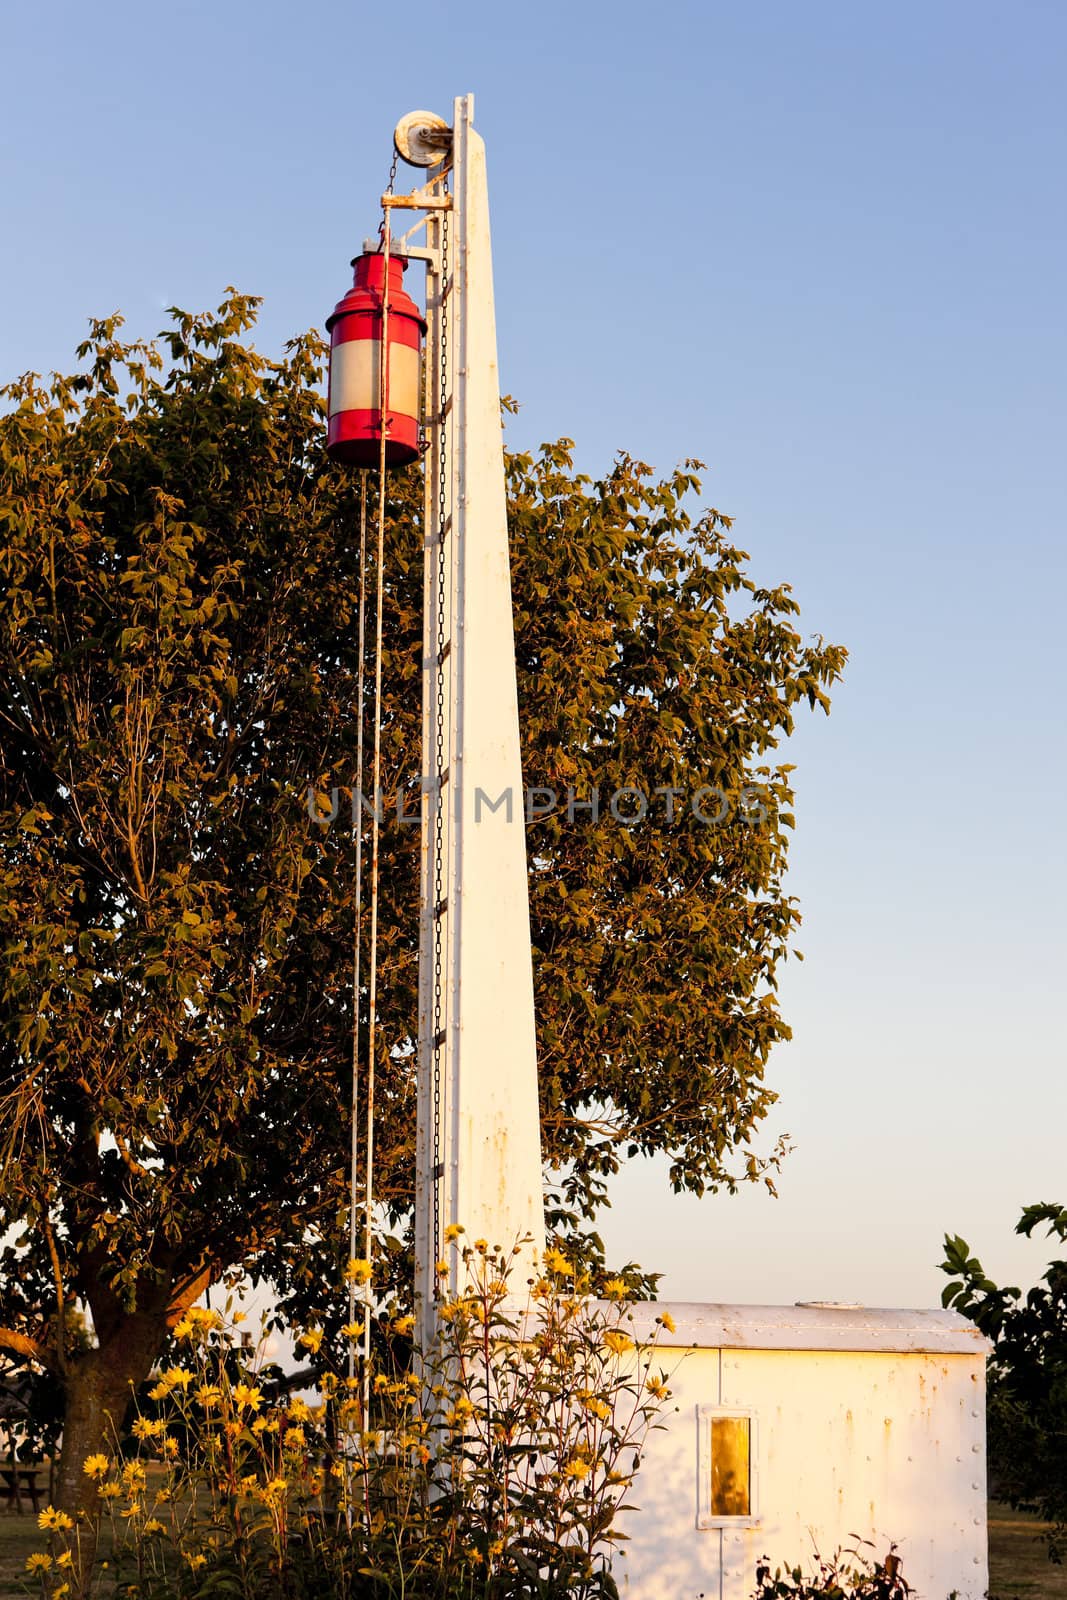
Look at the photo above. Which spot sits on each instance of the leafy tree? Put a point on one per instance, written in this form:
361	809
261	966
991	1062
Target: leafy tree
178	592
1027	1407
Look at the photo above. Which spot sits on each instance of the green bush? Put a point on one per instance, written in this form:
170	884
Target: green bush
1027	1406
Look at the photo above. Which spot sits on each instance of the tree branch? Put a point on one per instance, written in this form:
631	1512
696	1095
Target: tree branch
30	1349
61	1311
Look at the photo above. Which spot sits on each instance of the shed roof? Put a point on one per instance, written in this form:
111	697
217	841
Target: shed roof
814	1325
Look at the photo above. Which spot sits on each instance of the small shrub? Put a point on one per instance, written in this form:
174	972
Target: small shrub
846	1575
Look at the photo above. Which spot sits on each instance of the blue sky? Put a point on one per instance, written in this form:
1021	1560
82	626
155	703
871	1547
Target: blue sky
821	247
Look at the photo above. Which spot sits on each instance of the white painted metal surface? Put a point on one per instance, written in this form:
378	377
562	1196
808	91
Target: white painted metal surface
866	1423
489	1178
812	1327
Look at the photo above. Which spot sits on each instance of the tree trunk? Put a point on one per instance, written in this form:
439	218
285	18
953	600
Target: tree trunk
99	1388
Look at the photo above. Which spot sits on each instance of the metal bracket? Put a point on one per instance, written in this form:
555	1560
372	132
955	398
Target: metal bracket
410	252
418	200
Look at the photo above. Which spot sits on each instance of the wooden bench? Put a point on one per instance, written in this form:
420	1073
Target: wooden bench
16	1481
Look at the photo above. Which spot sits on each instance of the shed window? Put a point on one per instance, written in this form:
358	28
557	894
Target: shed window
727	1467
731	1483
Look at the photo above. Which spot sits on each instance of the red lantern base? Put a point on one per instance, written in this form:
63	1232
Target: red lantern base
355	439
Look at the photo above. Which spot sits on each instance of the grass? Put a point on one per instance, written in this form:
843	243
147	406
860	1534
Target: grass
1018	1566
18	1536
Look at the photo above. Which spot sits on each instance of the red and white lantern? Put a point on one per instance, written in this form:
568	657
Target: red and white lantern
355	328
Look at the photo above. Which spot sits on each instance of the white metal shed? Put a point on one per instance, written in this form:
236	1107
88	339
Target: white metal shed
796	1428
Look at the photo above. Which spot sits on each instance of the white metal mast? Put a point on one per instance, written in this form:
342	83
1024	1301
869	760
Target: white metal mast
478	1135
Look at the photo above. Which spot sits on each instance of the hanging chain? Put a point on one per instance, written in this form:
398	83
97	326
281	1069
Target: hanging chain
389	188
439	910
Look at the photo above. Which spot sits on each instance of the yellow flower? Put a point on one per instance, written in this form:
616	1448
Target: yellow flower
441	1269
404	1324
153	1525
311	1339
618	1342
357	1272
169	1445
594	1404
133	1474
160	1391
274	1487
110	1491
452	1232
616	1289
658	1387
352	1330
65	1558
57	1594
260	1425
178	1377
557	1262
231	1428
133	1510
196	1561
576	1468
148	1427
183	1329
203	1317
481	1245
38	1561
245	1395
96	1466
294	1439
299	1410
209	1394
53	1519
665	1320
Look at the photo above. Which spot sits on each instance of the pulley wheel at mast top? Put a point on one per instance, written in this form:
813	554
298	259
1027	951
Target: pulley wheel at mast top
422	139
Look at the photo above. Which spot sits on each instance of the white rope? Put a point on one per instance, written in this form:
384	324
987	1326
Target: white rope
357	939
357	943
372	1004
